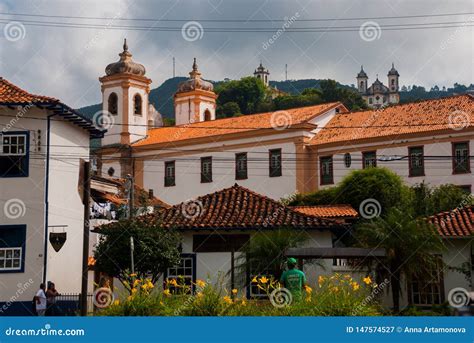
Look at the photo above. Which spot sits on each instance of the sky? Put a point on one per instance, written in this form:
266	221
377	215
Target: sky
66	62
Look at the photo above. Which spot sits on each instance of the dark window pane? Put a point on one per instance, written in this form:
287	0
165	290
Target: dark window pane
275	163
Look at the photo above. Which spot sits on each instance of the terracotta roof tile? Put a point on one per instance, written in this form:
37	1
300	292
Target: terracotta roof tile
239	208
9	93
417	117
455	223
327	211
245	123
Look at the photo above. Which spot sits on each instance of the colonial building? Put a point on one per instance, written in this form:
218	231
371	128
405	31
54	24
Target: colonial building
378	95
263	74
41	220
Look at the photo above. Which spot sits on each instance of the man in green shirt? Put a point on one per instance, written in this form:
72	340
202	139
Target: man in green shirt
293	279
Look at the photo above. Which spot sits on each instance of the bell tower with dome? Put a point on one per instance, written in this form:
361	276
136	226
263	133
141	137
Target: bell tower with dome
125	90
195	100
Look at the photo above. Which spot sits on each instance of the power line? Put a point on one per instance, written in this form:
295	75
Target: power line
329	29
237	20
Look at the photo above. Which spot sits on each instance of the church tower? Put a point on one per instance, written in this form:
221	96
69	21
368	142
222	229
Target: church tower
195	100
125	90
394	97
362	80
263	74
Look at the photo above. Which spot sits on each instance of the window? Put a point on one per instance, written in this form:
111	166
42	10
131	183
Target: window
170	174
416	163
466	188
370	100
183	273
241	166
428	291
393	82
14	154
137	104
206	169
207	115
327	176
461	161
275	162
112	103
369	159
12	245
347	160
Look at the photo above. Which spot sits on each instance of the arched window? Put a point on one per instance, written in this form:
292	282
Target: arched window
137	104
112	103
393	82
361	84
207	115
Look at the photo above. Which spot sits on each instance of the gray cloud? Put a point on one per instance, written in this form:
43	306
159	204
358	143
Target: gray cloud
66	62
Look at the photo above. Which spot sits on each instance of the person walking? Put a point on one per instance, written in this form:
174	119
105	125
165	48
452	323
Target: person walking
51	294
40	299
293	279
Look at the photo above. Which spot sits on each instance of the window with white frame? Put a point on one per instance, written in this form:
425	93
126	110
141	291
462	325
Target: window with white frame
13	154
10	259
183	273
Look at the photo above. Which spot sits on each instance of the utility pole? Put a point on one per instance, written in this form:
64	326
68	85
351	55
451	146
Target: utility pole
130	186
85	243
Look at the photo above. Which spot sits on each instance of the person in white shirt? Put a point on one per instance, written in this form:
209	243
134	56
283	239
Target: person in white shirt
40	298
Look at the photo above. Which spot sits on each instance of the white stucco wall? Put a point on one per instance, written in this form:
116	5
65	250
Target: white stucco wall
28	193
188	172
437	172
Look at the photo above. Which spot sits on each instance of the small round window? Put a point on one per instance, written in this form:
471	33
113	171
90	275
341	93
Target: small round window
347	160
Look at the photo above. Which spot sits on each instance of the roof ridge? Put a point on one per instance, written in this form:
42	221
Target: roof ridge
335	205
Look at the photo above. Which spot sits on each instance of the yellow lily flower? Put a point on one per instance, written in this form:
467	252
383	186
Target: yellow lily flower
200	283
263	279
227	299
367	280
235	291
167	292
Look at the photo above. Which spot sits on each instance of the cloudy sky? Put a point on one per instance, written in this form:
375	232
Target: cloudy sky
66	62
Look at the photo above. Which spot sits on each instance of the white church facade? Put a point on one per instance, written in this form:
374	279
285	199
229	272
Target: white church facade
379	95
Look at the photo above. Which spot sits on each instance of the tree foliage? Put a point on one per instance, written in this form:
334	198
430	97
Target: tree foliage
247	92
156	249
411	247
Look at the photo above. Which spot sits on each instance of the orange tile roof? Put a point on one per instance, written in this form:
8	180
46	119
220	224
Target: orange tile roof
327	211
9	93
245	123
417	117
456	223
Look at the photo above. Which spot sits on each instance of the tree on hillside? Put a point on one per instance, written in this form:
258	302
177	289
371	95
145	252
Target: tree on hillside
247	92
411	249
331	91
156	249
229	109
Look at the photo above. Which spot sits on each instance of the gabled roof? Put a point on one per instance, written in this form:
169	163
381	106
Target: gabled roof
456	223
328	211
412	118
217	129
238	208
11	95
